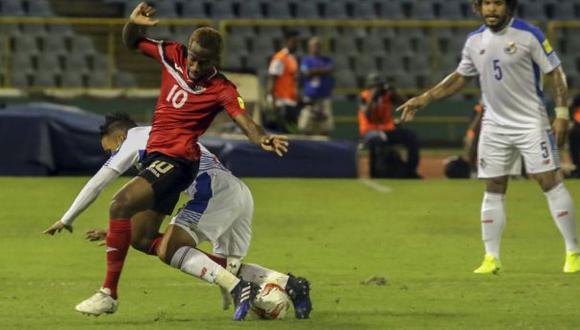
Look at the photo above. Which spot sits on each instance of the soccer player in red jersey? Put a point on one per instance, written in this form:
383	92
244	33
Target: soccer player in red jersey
192	93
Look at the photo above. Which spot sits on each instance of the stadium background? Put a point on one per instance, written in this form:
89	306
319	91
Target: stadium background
421	237
70	52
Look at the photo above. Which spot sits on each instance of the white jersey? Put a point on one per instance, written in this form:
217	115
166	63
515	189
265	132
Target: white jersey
132	152
510	64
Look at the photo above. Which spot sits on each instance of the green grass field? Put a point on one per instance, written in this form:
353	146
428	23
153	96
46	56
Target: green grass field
423	237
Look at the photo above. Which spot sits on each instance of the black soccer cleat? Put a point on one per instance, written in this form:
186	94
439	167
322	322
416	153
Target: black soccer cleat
298	288
244	295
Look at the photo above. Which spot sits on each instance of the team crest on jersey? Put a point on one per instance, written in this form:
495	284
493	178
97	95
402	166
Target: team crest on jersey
510	48
241	103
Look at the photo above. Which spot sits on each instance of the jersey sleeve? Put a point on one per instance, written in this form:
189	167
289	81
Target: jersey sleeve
158	48
89	193
542	52
150	47
466	67
126	156
231	101
276	67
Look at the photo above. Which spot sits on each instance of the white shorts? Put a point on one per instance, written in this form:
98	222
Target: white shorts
499	153
220	211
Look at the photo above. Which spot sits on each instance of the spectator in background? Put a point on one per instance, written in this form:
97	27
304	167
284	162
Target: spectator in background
282	86
574	137
316	116
377	126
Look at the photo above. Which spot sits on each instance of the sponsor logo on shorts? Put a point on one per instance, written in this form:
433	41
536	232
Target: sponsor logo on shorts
481	52
482	163
487	221
546	162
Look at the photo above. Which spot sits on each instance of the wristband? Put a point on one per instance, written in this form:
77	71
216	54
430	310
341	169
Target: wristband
562	113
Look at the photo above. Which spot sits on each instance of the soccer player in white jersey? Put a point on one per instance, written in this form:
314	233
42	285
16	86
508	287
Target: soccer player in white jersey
510	56
219	211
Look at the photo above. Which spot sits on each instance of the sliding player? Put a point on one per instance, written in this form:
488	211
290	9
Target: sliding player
220	211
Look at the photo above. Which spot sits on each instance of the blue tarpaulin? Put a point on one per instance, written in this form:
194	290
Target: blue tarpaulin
50	139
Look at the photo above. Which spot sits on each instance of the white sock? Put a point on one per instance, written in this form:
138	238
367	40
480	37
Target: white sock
196	263
492	222
564	215
259	275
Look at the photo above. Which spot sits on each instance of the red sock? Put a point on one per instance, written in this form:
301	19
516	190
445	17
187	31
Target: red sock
154	245
118	241
218	260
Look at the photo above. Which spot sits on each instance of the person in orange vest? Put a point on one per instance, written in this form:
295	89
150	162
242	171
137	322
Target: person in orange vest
282	85
574	137
377	126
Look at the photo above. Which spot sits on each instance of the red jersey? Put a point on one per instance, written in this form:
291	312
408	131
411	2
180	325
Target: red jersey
185	109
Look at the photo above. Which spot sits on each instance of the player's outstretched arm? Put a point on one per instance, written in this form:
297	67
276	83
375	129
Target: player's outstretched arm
256	134
84	199
559	85
57	227
140	19
452	84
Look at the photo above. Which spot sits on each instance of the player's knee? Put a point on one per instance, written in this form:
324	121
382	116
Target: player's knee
164	254
548	180
120	206
141	245
496	185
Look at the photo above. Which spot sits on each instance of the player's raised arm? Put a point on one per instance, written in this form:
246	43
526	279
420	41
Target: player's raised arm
559	89
256	134
135	29
452	84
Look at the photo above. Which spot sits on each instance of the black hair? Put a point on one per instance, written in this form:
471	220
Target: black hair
511	4
211	40
116	121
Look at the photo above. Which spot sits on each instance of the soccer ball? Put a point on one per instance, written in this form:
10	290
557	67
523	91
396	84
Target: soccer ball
272	303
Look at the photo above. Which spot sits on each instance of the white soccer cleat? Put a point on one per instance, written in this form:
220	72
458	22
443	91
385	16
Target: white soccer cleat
98	304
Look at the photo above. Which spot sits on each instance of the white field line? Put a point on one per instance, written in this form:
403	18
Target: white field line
376	186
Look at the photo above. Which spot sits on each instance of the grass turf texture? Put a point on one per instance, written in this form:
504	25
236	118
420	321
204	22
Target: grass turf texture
423	237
